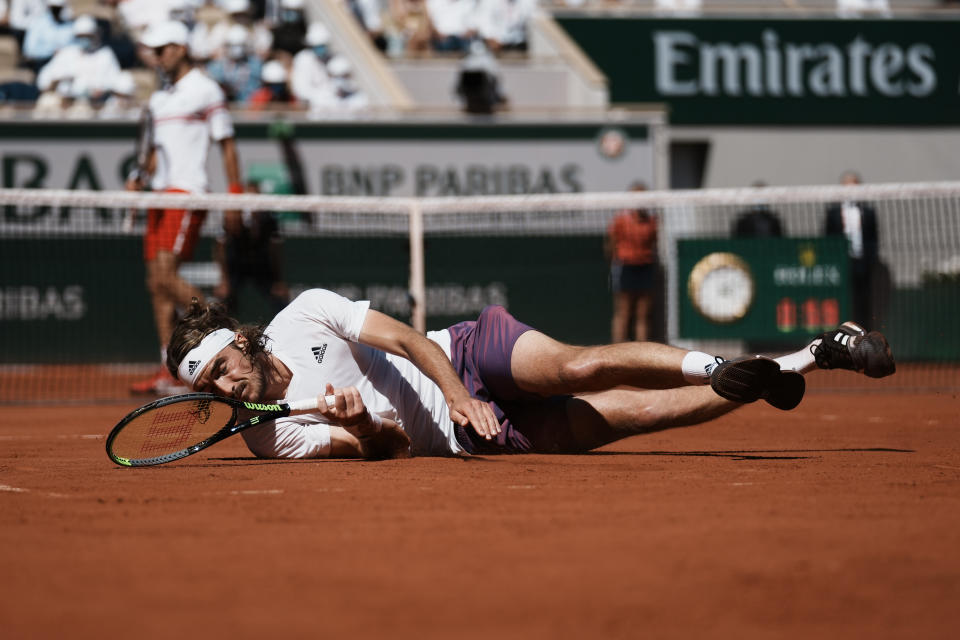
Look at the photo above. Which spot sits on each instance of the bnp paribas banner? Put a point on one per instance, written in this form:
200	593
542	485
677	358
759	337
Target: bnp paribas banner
783	72
363	158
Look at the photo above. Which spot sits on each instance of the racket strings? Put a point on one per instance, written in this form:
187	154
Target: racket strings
168	429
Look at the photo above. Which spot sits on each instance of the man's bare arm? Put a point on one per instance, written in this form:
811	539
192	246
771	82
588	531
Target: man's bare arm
231	161
383	332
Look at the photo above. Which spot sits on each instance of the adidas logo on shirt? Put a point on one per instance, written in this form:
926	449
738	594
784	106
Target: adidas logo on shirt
192	366
318	352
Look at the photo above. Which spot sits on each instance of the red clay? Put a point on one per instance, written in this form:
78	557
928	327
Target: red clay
840	519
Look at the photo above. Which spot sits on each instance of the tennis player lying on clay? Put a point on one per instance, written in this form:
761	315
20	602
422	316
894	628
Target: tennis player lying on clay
493	385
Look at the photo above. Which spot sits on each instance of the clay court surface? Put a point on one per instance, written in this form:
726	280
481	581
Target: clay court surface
840	519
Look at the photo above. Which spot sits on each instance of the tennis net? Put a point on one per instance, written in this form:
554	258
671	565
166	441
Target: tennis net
76	321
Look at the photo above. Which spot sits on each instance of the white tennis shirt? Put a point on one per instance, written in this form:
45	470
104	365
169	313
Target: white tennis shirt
316	337
186	117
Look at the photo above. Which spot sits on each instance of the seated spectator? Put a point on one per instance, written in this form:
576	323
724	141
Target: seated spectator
856	8
238	71
290	30
122	101
369	13
48	32
503	23
137	15
411	30
309	72
343	96
84	70
238	12
274	92
453	23
678	7
19	14
479	82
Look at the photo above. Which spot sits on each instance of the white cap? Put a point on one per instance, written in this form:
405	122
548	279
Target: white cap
236	6
124	84
159	34
291	4
317	34
339	66
237	34
84	26
273	72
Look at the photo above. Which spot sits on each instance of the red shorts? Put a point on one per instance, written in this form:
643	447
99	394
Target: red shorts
174	230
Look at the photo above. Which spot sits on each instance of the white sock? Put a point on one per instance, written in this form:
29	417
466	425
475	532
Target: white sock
697	367
801	361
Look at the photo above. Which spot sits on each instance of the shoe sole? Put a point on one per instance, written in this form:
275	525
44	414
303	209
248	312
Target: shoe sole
744	379
786	391
876	354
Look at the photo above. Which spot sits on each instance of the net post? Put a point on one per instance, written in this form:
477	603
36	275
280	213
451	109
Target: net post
418	287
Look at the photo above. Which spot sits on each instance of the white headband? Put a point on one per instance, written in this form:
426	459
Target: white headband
196	361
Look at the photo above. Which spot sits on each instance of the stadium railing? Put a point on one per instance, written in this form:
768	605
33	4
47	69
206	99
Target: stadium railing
75	319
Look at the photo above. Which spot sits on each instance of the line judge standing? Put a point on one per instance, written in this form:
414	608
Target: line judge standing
189	112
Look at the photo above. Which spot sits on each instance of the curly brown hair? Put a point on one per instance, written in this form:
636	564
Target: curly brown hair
199	320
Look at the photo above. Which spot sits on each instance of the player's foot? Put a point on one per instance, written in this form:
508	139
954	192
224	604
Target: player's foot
161	383
786	390
745	379
849	346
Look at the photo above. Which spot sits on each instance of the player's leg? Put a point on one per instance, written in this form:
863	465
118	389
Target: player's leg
545	366
620	323
641	316
596	419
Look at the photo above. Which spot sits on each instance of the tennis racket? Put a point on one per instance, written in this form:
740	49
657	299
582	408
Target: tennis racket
143	149
179	426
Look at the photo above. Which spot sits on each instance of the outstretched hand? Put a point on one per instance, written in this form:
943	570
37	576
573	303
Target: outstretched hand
466	410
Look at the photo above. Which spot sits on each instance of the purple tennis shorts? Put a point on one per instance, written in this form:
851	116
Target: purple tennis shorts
481	351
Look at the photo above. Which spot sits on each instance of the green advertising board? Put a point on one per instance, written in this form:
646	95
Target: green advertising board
770	289
85	301
754	71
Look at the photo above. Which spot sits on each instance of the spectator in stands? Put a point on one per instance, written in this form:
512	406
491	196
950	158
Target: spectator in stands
453	23
758	221
48	32
238	12
290	30
275	89
479	84
84	71
631	248
238	71
684	8
122	101
309	72
857	8
502	24
137	15
369	14
19	14
347	95
857	221
411	27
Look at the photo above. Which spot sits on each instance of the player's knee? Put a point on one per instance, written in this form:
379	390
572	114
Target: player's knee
579	369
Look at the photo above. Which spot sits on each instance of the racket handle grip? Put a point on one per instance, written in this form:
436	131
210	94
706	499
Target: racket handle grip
308	404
